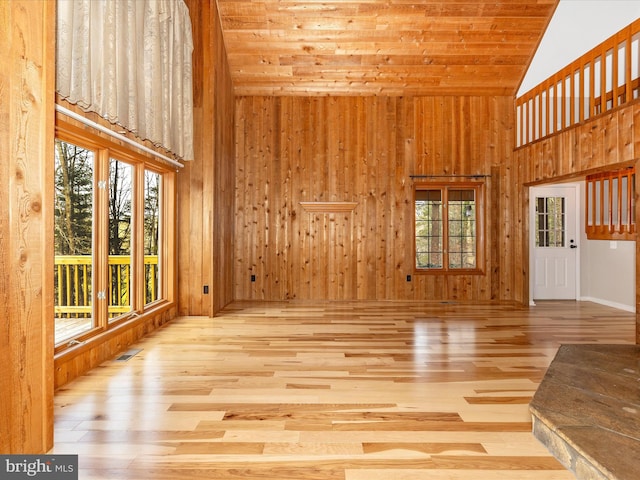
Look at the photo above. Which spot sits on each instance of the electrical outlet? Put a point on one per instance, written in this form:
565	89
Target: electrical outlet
253	278
408	278
205	289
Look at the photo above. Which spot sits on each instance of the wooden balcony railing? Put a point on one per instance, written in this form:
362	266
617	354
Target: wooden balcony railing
609	205
602	79
73	284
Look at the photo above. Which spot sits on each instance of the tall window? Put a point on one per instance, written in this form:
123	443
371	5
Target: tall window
120	249
73	240
448	227
110	231
152	191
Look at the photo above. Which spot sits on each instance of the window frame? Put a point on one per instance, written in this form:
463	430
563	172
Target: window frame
479	188
104	151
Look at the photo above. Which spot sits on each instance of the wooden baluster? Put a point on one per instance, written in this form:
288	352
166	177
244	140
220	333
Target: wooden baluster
110	290
629	200
589	219
582	93
85	285
572	97
628	95
603	80
519	131
601	199
119	286
618	227
592	77
59	284
67	280
614	75
76	286
546	112
557	104
609	179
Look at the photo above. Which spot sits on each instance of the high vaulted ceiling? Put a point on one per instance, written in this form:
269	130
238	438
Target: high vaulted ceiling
381	47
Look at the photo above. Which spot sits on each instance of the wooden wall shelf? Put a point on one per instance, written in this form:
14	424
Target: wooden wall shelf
329	207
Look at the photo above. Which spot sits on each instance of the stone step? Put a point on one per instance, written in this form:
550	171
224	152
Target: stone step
587	411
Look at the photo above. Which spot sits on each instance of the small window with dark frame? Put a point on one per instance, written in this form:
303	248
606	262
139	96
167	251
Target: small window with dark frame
447	226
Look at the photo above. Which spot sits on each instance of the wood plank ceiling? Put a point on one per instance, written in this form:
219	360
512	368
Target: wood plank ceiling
381	47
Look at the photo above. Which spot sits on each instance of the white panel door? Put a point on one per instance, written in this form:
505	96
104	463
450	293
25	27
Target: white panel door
554	242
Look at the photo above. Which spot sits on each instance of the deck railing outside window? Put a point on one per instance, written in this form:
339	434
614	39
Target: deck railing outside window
73	281
604	78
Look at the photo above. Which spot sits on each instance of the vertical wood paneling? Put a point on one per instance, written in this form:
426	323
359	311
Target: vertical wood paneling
189	209
635	114
242	204
404	204
206	203
604	142
27	74
625	134
200	218
360	177
223	208
360	149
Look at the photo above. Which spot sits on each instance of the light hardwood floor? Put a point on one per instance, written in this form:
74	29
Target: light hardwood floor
344	390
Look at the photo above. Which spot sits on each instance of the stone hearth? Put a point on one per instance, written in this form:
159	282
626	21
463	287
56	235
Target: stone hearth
587	411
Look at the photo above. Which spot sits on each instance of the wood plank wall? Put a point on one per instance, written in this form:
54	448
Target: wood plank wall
603	142
606	142
206	185
363	150
224	175
27	76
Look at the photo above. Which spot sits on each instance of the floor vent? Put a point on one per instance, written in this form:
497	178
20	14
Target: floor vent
128	354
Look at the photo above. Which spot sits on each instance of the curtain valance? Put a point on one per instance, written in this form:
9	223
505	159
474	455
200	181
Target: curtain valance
130	62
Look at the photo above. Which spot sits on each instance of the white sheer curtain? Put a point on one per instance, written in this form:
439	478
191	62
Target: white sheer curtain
130	62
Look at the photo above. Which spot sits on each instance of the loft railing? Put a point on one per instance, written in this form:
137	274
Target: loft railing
73	284
602	79
609	206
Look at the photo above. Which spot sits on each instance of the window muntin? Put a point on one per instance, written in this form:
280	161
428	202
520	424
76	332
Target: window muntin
447	226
